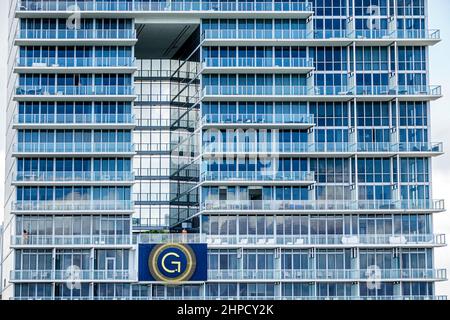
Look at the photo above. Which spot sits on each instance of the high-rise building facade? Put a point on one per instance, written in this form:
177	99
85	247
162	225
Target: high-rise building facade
292	138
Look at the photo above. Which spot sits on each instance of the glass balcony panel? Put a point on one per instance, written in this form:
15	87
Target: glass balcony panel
118	147
87	205
57	176
314	205
74	90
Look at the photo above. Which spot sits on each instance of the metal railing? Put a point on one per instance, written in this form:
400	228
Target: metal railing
55	275
70	147
259	275
322	205
303	34
180	5
238	297
258	119
233	34
76	34
319	147
292	240
332	239
318	274
74	119
294	90
61	90
73	205
66	240
72	176
409	90
304	176
232	240
75	62
259	62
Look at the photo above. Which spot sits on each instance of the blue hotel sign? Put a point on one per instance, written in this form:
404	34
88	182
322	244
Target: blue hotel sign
173	262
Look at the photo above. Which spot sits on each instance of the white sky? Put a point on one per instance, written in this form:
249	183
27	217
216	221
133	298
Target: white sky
440	74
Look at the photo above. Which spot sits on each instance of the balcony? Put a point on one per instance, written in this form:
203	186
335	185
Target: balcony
258	120
75	240
79	148
406	37
74	93
316	37
168	6
75	65
285	298
226	35
78	206
275	93
258	65
328	274
403	147
376	149
270	206
74	177
320	93
263	241
257	178
48	36
63	121
237	297
273	241
410	91
65	275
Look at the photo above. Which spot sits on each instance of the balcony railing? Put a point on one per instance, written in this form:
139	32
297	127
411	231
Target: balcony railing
81	90
79	147
55	275
294	240
76	34
322	205
248	176
229	34
75	62
179	5
169	238
258	119
409	90
75	240
352	35
238	297
295	274
308	274
233	240
330	34
305	297
210	90
293	90
73	176
436	147
74	119
319	147
180	74
397	34
332	239
75	205
417	34
259	63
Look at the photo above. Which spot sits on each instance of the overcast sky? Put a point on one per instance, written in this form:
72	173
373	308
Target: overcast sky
440	74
